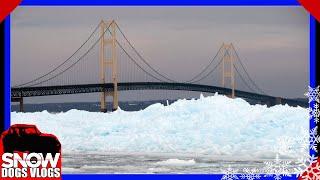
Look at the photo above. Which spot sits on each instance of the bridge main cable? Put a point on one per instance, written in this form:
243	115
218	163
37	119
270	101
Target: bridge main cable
140	56
246	72
157	72
243	80
199	74
136	63
215	67
73	64
64	62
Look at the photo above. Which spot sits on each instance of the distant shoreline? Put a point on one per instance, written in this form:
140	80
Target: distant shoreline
88	106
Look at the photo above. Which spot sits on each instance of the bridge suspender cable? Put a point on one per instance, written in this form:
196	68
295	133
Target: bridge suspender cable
73	64
157	72
199	74
192	80
131	45
250	79
243	80
208	72
62	62
135	50
135	62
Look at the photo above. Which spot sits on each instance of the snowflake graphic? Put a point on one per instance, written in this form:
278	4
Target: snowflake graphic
313	94
308	141
314	112
303	163
293	145
314	139
285	145
229	174
312	170
250	174
277	168
307	166
306	159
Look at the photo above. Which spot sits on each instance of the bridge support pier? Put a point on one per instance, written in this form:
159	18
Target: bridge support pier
103	106
110	62
278	100
103	110
228	72
20	100
274	101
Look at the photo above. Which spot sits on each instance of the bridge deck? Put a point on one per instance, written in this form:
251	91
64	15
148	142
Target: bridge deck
93	88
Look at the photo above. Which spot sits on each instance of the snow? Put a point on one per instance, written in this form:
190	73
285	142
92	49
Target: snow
214	125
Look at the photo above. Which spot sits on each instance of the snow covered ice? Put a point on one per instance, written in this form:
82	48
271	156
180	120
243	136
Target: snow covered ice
214	125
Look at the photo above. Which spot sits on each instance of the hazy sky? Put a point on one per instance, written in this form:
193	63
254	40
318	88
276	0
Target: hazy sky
179	41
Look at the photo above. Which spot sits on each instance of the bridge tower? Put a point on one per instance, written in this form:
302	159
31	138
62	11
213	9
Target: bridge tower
108	63
228	67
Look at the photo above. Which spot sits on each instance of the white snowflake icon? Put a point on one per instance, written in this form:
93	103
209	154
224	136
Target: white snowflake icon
314	139
313	94
285	145
308	142
314	112
229	174
277	168
250	174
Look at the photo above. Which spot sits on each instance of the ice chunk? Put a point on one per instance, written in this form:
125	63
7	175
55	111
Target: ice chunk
215	125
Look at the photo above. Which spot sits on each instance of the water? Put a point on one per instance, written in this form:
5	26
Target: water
156	163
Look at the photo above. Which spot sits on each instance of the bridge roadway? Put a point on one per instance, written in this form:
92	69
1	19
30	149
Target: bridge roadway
17	93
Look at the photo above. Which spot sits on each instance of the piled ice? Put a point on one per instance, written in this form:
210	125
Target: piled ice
215	125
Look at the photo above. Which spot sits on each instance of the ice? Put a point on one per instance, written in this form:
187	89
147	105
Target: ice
177	162
214	125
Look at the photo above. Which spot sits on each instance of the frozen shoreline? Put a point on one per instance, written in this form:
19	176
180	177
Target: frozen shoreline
155	164
214	126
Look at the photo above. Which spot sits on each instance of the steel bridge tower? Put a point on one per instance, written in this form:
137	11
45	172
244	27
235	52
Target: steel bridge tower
228	59
108	63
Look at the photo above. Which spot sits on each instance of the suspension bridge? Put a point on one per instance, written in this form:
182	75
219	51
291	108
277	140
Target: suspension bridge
111	63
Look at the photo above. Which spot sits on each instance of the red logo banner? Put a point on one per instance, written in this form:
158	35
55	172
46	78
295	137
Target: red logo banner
27	153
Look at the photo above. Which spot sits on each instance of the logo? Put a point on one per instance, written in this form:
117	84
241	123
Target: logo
27	153
33	165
